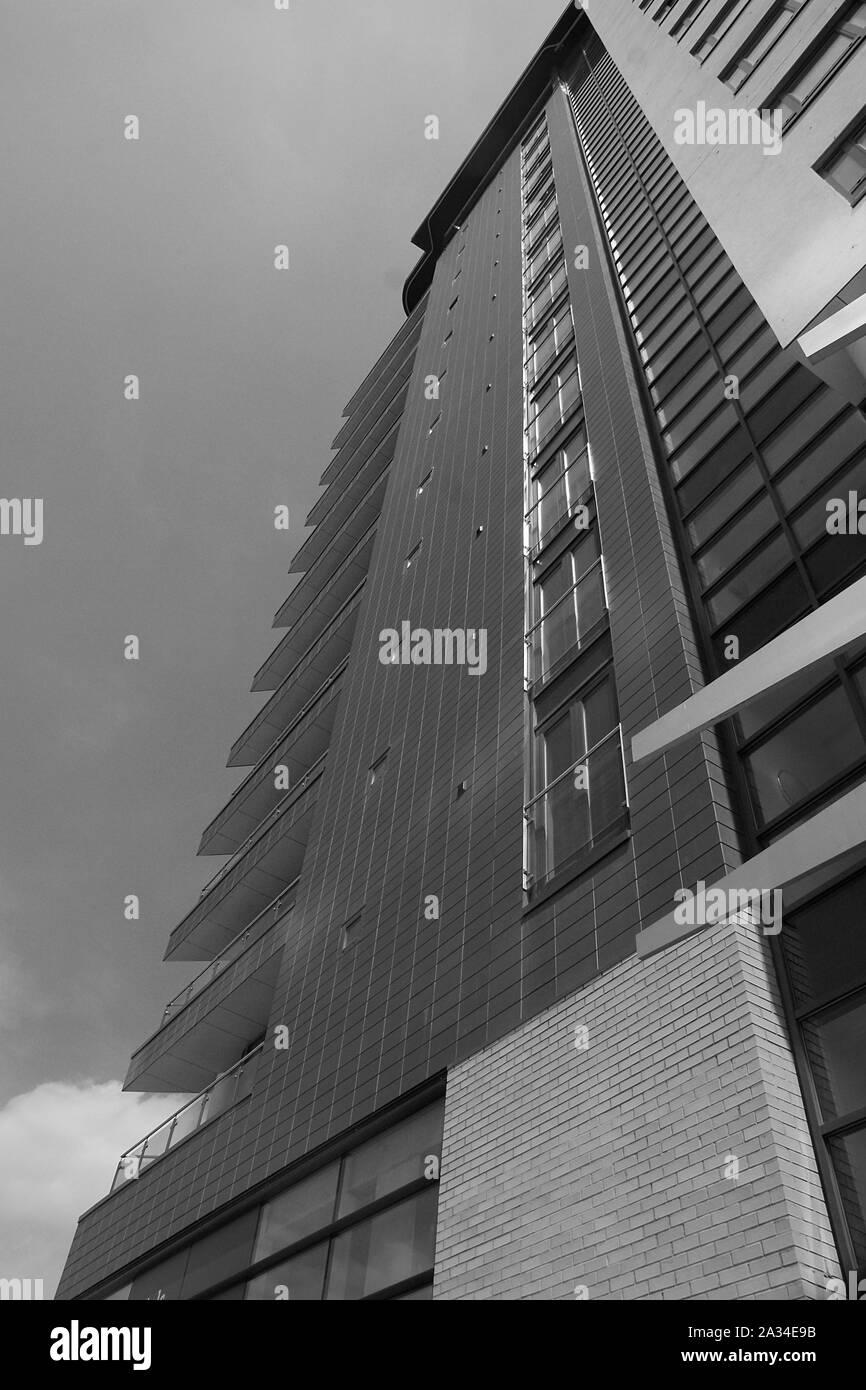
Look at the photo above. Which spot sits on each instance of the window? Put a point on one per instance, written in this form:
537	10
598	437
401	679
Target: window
739	536
578	766
797	90
300	1211
220	1255
384	1250
545	295
711	36
557	488
766	36
544	252
688	17
552	404
845	167
568	602
352	930
393	1159
549	339
377	770
303	1277
814	748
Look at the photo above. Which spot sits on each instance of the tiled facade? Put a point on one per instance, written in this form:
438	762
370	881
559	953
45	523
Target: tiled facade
417	952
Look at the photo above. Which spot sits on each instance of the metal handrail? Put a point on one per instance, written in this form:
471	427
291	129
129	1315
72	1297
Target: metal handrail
281	807
530	632
582	497
569	771
248	936
131	1160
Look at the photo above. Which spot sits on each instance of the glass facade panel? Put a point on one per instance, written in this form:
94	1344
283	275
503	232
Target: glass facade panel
749	579
218	1256
737	539
836	1042
300	1279
297	1212
825	943
848	1152
384	1250
391	1160
808	753
724	503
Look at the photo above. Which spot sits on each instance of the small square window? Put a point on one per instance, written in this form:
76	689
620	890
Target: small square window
844	168
352	931
377	770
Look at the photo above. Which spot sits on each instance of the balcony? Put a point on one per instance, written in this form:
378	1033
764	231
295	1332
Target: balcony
326	585
302	683
400	352
559	494
567	627
298	641
256	875
227	1004
364	456
234	1085
576	812
282	805
299	750
352	515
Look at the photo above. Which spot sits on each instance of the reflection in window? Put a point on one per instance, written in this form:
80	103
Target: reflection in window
816	747
298	1279
836	1042
569	601
578	767
552	405
391	1160
297	1212
557	489
384	1250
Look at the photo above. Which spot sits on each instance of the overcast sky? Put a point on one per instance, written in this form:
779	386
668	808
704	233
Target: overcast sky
156	258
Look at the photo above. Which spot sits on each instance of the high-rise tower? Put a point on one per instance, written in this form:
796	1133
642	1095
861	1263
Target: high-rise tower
580	632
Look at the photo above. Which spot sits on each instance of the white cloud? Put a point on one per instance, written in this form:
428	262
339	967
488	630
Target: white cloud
59	1146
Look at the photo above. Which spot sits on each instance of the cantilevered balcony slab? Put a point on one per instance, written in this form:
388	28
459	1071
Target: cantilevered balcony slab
331	580
375	387
227	1008
298	688
285	657
363	461
249	882
300	750
354	515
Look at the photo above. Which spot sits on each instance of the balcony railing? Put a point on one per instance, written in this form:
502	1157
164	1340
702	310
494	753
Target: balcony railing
570	490
257	928
565	626
571	815
283	805
233	1085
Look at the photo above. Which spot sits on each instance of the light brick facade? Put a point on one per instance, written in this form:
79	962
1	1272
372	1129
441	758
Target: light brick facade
605	1167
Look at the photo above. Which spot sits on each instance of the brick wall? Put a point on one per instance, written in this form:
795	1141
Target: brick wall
606	1167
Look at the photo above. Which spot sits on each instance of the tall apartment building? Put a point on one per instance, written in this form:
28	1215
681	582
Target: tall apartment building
580	627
